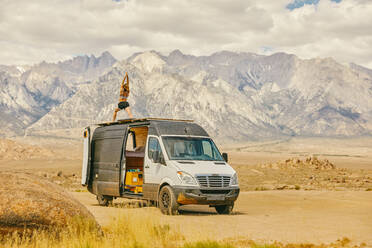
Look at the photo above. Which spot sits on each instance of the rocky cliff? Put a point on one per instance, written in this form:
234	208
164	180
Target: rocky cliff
235	96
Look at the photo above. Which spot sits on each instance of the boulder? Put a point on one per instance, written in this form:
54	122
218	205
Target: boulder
29	202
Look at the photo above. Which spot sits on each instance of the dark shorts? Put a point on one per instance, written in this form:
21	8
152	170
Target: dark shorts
123	105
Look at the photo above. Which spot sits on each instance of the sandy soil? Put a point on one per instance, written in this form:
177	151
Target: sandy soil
337	204
284	216
260	165
353	153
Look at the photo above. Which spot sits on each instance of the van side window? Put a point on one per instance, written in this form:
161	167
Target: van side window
154	146
107	150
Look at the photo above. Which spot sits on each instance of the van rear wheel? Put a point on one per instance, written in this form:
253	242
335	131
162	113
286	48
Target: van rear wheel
224	209
167	201
104	200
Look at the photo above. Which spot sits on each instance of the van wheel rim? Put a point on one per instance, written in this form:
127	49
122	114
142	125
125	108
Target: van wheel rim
165	199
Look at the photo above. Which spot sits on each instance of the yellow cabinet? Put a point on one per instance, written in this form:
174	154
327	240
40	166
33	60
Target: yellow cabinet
134	181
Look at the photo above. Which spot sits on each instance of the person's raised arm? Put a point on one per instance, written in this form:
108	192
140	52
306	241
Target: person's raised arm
125	85
126	74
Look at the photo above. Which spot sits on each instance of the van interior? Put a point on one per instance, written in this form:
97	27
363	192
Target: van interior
135	156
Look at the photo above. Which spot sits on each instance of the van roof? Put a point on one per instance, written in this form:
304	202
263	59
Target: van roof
125	121
158	126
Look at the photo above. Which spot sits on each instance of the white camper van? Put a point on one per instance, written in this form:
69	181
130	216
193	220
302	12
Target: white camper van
167	162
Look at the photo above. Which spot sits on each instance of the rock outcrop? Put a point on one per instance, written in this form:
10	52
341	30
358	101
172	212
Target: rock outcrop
11	150
29	202
295	163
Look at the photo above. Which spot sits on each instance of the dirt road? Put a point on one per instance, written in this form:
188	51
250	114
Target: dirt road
285	216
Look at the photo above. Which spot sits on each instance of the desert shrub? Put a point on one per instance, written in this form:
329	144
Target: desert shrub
265	246
207	244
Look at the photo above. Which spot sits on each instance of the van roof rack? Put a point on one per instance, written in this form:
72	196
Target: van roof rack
123	121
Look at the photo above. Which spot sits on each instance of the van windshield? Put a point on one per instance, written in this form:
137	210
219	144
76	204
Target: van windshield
191	148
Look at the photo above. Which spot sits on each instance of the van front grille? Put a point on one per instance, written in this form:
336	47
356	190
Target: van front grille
213	181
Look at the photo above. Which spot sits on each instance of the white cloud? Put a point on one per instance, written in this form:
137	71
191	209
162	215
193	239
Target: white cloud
52	30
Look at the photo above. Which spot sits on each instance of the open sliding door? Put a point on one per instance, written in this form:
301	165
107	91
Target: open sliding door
108	160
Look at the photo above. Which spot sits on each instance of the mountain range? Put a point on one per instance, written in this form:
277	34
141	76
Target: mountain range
235	96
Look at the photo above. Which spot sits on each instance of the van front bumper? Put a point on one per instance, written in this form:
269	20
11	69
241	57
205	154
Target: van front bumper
206	196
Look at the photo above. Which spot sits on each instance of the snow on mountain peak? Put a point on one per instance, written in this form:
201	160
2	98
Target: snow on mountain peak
21	69
275	87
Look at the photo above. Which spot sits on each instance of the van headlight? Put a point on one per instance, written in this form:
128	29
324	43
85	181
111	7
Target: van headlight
186	178
234	180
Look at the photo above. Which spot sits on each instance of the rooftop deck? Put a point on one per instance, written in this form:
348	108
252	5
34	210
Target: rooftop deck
124	121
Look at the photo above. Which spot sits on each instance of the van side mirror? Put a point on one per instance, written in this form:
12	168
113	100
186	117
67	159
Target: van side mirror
162	161
155	156
225	156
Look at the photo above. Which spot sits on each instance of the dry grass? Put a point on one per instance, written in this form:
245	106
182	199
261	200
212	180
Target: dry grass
134	231
127	230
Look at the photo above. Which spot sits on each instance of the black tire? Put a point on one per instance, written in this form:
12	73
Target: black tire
104	200
224	209
151	203
167	201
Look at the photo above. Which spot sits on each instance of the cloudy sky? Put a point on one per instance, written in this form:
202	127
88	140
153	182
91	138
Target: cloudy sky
52	30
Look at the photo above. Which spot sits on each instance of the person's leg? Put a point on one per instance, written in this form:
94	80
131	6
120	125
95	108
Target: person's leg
115	113
129	112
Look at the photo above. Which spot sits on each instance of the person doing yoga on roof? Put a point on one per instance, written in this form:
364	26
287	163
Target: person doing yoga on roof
123	103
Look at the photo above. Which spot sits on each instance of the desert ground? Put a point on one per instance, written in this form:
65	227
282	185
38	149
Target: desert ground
284	216
300	190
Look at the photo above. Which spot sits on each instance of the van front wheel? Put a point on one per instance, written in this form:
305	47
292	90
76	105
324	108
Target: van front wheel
224	209
104	200
167	201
